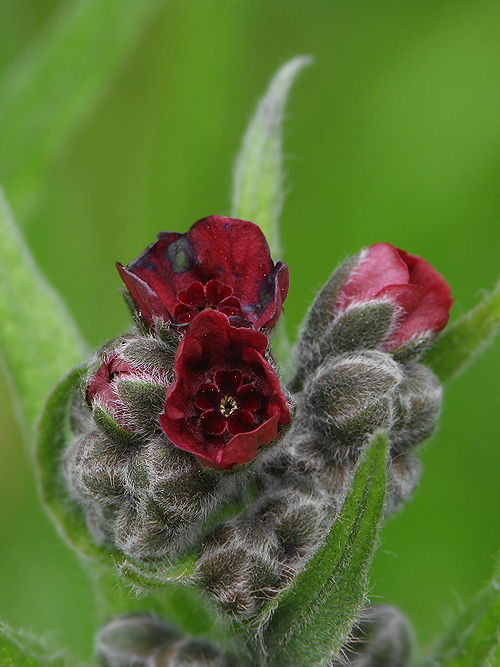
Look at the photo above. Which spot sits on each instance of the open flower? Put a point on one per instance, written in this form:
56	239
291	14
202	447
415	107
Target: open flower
221	264
420	295
226	401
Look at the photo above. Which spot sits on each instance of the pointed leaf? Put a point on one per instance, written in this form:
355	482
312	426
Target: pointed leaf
17	649
457	346
53	88
258	177
39	340
474	638
311	620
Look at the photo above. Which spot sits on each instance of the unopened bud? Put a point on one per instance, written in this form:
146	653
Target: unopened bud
142	640
381	637
351	396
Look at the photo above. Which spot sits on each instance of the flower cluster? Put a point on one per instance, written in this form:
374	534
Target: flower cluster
218	289
187	415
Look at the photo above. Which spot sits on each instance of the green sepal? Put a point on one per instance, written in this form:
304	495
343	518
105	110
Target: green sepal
18	649
309	622
112	429
145	402
473	640
54	435
459	343
314	325
414	349
363	326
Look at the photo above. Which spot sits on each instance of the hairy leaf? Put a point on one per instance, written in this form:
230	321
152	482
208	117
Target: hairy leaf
17	649
311	619
474	638
58	82
258	175
39	340
455	348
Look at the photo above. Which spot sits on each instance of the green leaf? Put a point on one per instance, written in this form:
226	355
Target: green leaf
39	341
58	82
312	618
474	638
258	177
18	649
459	343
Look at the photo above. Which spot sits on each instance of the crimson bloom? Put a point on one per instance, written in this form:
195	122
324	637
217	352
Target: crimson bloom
226	401
420	295
221	264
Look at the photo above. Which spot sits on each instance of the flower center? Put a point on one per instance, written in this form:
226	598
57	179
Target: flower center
228	405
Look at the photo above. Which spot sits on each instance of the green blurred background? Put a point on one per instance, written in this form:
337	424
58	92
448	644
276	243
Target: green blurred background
392	135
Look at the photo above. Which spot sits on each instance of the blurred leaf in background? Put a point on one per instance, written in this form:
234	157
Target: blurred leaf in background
391	136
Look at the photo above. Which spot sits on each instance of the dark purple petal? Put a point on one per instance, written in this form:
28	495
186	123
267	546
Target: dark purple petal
216	292
229	257
248	398
240	421
208	397
213	422
193	296
228	381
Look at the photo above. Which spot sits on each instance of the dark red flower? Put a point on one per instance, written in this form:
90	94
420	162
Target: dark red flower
226	401
421	296
220	264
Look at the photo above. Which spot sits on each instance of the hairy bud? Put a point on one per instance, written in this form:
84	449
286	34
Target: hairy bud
351	396
142	640
381	637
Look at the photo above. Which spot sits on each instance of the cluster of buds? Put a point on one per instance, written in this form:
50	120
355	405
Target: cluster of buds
187	413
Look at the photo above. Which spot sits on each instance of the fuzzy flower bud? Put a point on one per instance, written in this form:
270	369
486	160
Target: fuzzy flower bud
142	640
352	395
139	492
127	391
382	298
381	637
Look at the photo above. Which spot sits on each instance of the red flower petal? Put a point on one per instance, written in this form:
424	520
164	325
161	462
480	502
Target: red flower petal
145	298
226	255
240	421
214	351
217	292
193	296
208	397
213	422
228	381
243	448
183	314
421	296
248	398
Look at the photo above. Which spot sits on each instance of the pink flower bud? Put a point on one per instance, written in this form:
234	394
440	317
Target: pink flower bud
103	390
420	295
226	401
